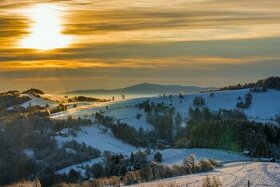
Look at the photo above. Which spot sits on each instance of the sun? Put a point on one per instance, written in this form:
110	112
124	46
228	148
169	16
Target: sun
45	32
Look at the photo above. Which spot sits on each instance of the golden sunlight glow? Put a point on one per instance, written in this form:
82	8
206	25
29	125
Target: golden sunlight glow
46	28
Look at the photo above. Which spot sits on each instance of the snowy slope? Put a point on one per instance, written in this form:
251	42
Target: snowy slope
97	138
231	175
264	106
177	156
128	115
80	167
35	101
125	111
105	141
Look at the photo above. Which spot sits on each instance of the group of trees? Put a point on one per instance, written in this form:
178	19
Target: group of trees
126	133
22	112
15	165
246	104
33	91
235	135
115	170
204	114
164	119
277	118
230	130
47	157
139	138
257	89
59	124
260	85
198	101
154	171
270	82
25	129
82	148
61	107
12	98
85	99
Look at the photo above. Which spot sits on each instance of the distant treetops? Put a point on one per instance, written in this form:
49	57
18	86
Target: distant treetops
260	85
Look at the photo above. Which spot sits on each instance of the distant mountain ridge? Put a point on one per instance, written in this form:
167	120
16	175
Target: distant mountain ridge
146	88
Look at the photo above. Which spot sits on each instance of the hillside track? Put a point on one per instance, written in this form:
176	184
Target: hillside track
259	174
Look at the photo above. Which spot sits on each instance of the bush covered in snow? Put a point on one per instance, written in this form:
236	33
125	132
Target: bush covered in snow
158	157
247	103
163	118
199	101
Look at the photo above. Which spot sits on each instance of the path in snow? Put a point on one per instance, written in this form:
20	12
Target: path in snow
231	175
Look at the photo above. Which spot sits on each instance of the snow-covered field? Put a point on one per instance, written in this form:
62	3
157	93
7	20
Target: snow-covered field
230	175
177	156
99	139
35	101
80	167
105	141
264	106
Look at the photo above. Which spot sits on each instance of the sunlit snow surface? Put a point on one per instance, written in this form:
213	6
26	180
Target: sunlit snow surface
264	107
231	175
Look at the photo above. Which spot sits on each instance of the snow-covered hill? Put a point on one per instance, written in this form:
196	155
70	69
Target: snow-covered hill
96	137
264	106
36	101
230	175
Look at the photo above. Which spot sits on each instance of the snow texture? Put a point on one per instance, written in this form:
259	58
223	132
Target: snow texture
231	175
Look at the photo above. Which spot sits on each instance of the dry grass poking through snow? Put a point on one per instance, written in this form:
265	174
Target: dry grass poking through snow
162	184
211	182
35	183
206	182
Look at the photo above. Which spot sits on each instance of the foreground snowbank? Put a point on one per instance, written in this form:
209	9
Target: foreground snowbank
238	174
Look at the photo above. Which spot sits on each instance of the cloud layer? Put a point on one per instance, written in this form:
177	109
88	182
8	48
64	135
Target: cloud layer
116	43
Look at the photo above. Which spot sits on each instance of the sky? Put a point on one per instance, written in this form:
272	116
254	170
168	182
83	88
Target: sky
63	45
